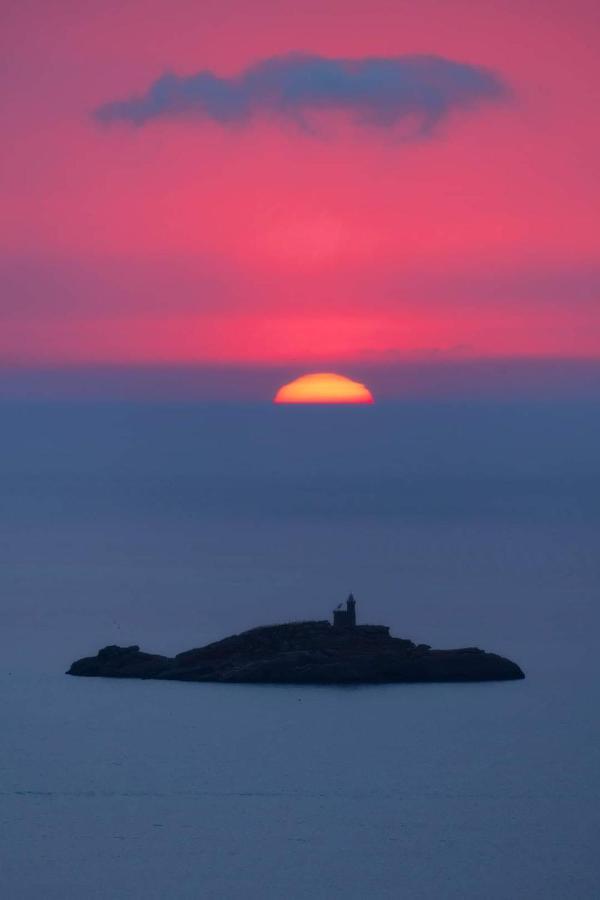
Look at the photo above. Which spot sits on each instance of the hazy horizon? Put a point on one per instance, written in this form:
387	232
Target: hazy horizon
486	380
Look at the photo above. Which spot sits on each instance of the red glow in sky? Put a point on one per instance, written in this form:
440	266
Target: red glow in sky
332	232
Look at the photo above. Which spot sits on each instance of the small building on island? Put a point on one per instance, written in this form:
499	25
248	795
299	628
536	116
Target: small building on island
345	620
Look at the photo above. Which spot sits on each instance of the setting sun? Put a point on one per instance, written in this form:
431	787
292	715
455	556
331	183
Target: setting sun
323	387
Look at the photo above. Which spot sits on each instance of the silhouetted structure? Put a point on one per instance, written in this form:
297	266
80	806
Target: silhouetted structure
345	618
313	652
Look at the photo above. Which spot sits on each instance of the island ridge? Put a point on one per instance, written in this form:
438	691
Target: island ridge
311	652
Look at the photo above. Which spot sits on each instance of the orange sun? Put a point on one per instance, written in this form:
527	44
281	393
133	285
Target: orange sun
323	387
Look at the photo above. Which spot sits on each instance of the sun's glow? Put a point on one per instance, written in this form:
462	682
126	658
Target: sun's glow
323	387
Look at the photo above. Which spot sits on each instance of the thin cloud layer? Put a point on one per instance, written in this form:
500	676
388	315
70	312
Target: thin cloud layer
416	92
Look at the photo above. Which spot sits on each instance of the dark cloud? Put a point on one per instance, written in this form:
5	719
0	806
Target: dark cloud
417	92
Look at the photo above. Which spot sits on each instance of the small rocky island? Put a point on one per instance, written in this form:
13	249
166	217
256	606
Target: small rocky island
316	652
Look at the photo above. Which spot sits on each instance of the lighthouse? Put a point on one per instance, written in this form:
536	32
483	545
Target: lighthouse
345	618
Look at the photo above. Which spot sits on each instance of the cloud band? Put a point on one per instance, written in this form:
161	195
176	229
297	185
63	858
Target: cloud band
417	92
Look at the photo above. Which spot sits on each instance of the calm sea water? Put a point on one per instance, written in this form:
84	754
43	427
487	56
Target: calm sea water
171	526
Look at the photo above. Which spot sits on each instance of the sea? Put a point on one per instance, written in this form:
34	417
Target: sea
169	525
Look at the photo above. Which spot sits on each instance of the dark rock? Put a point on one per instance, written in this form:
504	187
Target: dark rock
122	662
304	653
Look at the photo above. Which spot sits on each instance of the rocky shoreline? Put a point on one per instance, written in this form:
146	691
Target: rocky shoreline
314	652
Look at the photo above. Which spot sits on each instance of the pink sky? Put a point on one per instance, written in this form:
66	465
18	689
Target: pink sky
185	240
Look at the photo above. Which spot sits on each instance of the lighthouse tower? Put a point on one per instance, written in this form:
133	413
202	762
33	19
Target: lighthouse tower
345	618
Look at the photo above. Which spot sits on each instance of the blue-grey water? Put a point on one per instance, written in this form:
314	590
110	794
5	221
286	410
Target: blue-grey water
170	526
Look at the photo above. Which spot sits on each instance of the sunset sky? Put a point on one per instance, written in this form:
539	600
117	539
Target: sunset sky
347	184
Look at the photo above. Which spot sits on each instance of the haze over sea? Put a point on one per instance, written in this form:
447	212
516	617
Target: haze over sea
169	526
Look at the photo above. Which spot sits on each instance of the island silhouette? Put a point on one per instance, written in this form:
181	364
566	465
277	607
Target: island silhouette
309	652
